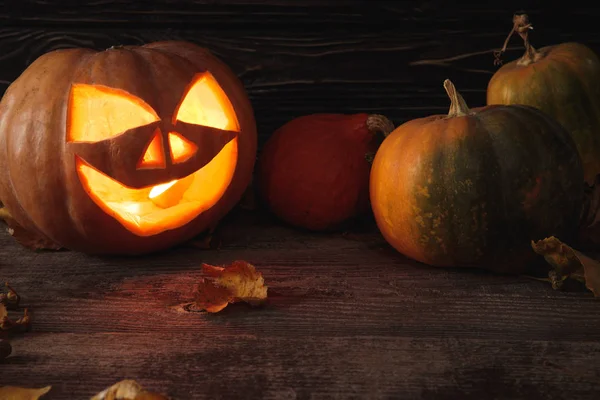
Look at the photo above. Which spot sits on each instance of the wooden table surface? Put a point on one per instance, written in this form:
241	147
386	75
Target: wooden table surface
347	317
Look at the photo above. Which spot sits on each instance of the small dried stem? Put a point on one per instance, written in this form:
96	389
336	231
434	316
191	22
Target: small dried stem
380	123
377	123
521	25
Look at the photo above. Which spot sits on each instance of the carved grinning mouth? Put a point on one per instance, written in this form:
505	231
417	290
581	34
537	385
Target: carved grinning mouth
154	209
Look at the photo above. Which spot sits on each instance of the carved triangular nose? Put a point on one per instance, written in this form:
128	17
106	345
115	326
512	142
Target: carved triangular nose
154	154
181	148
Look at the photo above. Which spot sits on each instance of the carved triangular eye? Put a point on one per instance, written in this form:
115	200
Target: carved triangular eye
154	155
205	103
98	112
181	148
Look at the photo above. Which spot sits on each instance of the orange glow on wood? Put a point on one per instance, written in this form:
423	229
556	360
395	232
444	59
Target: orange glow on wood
154	155
98	112
205	103
181	148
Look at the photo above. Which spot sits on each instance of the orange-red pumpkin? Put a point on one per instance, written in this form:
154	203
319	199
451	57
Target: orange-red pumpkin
474	187
313	172
129	150
563	81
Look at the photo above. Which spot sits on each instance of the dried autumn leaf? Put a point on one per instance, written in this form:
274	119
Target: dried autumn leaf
127	389
10	299
244	282
23	323
3	312
19	393
568	263
212	270
211	297
26	238
239	281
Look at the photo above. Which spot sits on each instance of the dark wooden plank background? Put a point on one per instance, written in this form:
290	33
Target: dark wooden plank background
348	317
298	57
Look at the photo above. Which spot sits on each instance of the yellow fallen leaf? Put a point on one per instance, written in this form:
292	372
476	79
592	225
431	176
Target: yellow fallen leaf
244	282
3	312
127	389
19	393
568	263
237	282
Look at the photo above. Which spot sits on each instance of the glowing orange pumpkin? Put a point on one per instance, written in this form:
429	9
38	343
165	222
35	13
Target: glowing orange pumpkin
128	150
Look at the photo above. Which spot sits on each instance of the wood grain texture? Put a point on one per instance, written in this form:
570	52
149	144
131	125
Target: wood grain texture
303	57
347	317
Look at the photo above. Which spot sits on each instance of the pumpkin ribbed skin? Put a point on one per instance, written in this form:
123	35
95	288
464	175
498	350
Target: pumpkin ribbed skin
564	82
474	190
39	184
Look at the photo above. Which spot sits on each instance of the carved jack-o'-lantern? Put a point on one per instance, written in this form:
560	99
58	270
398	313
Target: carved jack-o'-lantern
128	150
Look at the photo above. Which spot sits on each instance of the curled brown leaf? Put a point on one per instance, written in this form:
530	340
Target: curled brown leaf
238	282
212	297
568	263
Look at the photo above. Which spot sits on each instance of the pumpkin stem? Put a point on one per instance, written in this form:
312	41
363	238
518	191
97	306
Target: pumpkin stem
379	123
458	105
521	25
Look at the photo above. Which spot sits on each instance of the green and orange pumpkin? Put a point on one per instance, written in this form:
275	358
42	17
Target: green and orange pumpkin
474	187
563	81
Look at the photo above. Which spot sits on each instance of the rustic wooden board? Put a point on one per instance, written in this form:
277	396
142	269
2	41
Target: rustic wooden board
348	317
301	57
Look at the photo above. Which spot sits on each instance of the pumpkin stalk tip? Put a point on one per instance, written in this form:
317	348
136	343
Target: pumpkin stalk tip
458	105
521	26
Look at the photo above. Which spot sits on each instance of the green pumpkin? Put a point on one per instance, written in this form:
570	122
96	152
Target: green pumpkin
474	187
561	80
